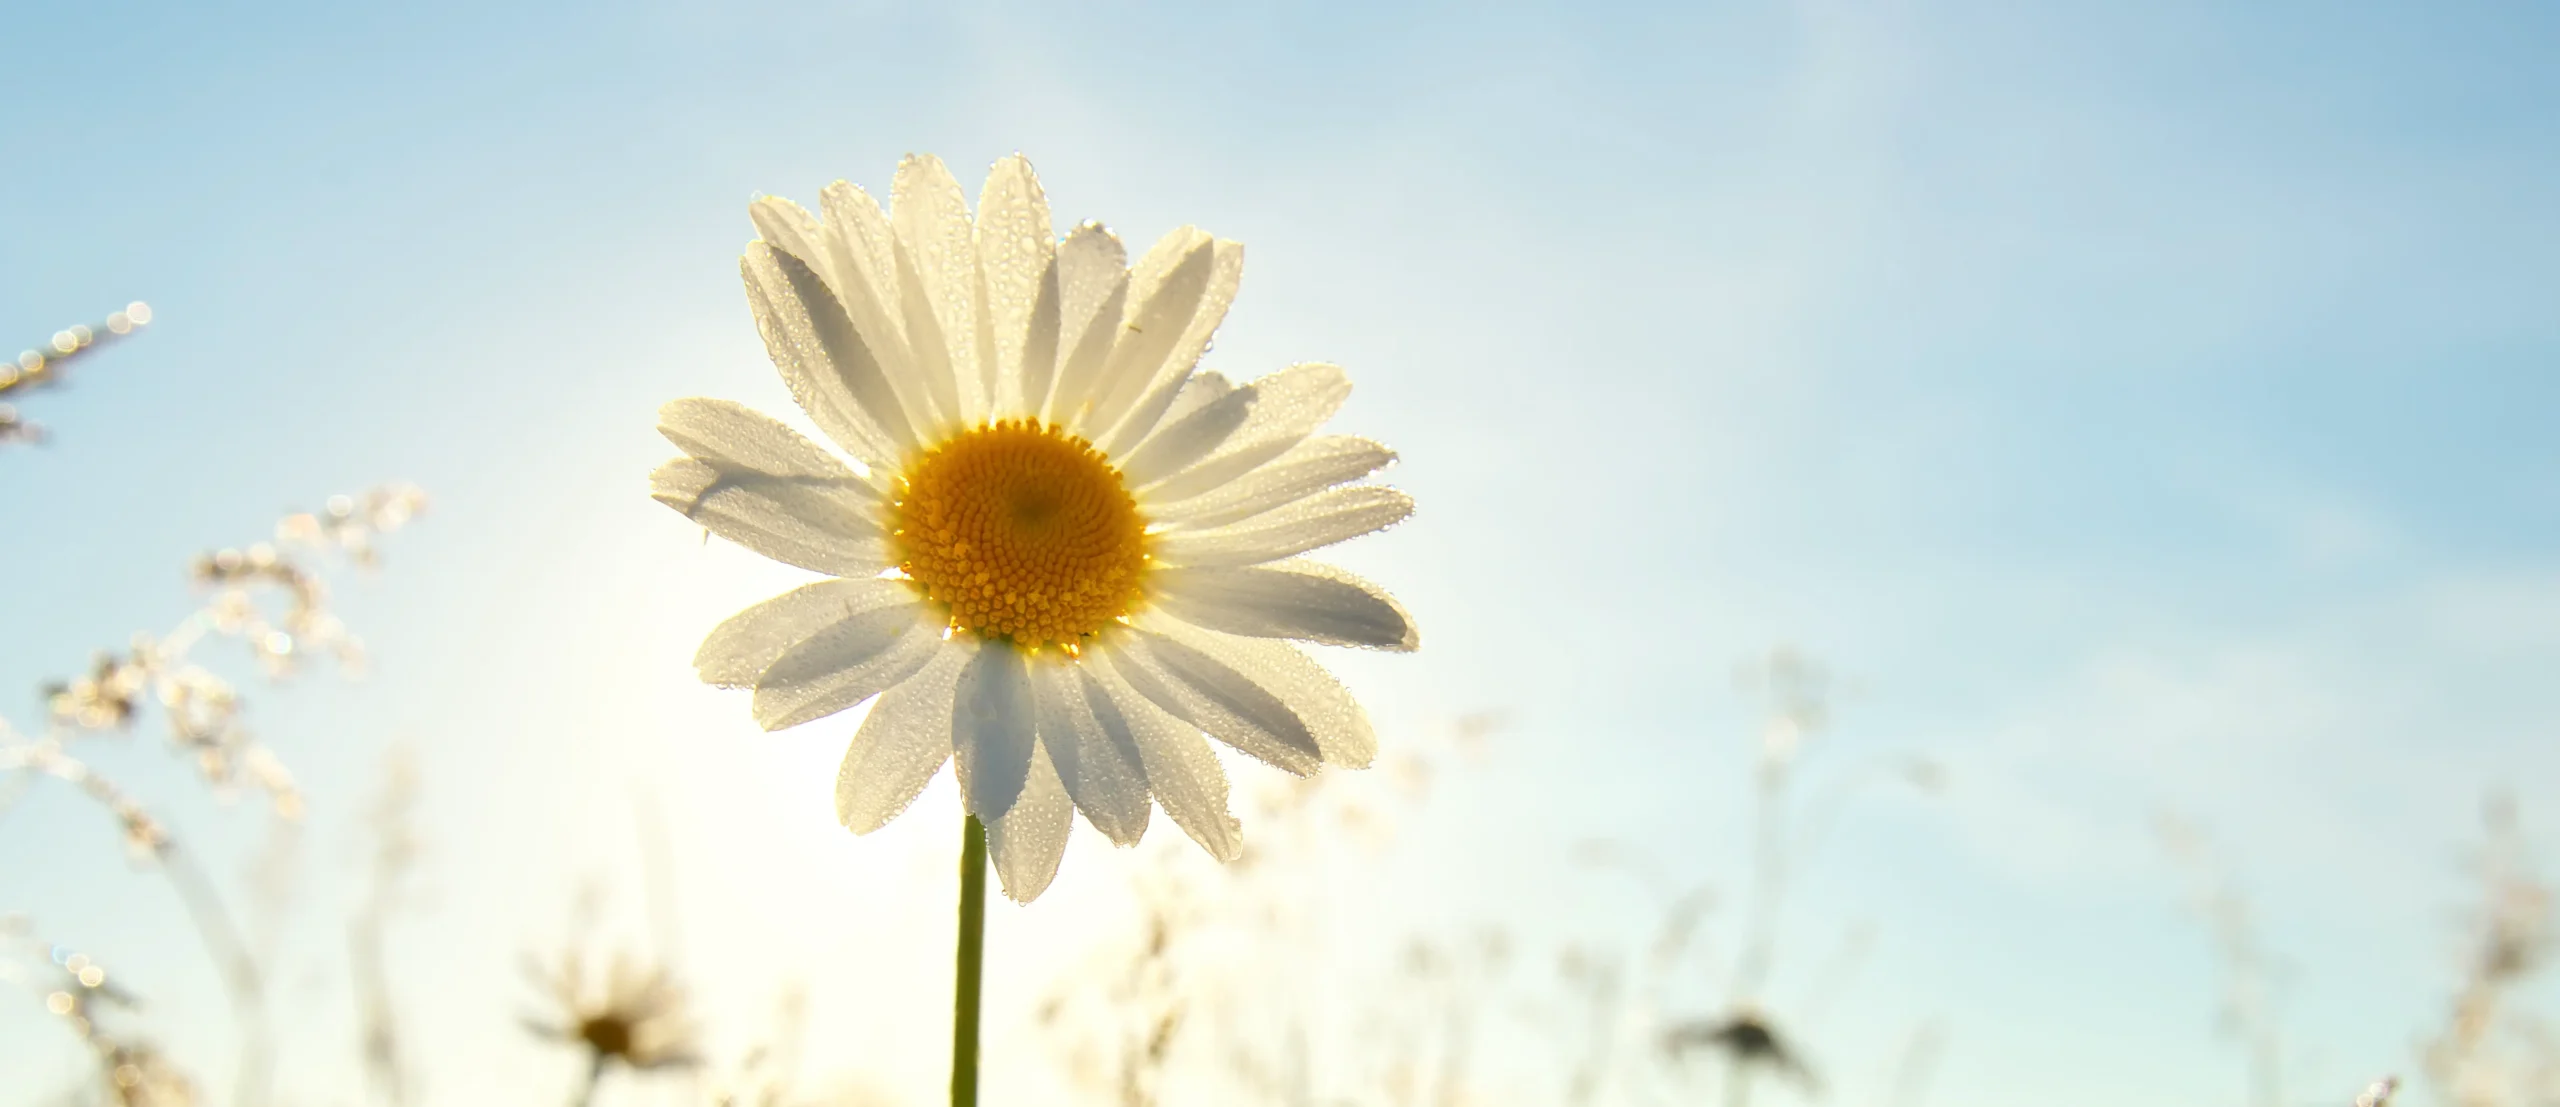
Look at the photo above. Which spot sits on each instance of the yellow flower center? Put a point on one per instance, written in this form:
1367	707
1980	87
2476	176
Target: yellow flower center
608	1035
1023	531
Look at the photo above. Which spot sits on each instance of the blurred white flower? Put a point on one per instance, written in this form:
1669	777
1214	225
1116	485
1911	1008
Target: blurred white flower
1061	553
634	1015
2379	1093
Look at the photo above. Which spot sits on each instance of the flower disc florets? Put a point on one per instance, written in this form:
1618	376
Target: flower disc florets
1023	531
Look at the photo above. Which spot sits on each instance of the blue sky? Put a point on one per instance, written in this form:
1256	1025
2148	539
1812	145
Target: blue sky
2144	404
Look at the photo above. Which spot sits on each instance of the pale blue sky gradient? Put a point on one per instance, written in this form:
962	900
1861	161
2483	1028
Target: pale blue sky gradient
2148	404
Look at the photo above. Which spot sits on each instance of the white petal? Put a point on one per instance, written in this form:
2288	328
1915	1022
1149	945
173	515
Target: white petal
865	250
1219	470
1182	771
863	245
823	524
1164	293
994	721
1093	289
842	664
789	228
1226	270
1317	521
1189	438
928	352
902	743
1288	599
1015	250
830	371
1028	841
1100	767
741	648
1286	674
1211	695
1306	469
1039	357
1202	389
938	264
1293	403
731	435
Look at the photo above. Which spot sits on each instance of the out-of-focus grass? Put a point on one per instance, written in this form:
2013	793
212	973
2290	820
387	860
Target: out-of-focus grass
43	367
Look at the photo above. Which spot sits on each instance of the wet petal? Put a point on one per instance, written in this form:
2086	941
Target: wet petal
1292	403
1203	388
842	664
1015	250
1093	291
823	524
1211	695
993	724
1317	521
865	250
1286	674
1164	293
902	743
1182	771
928	353
806	336
1288	599
1188	439
938	266
1306	469
789	228
741	648
731	435
1028	841
1040	349
863	245
1226	269
1099	766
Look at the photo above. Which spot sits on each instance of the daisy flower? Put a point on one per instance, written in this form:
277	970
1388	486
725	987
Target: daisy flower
1060	553
634	1016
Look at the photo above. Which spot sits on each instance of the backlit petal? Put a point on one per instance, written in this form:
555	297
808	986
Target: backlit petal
1165	291
1289	677
1212	696
844	663
1189	438
1182	771
1226	270
1290	405
1317	521
865	250
902	743
993	724
1100	766
1028	841
731	435
740	649
1093	291
944	292
1288	599
1015	250
823	524
1306	469
830	372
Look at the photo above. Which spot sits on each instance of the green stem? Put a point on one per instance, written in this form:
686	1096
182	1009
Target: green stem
1737	1086
972	966
595	1076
